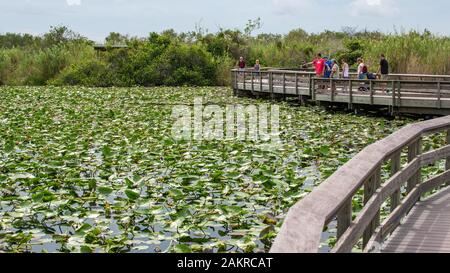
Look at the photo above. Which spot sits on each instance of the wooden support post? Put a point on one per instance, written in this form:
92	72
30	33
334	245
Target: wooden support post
313	89
245	87
371	92
350	96
236	86
311	84
296	86
271	85
439	95
395	168
253	81
332	90
344	218
284	86
260	82
370	188
393	96
447	160
414	150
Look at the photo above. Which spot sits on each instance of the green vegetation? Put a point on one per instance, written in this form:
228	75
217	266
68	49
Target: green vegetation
198	58
96	169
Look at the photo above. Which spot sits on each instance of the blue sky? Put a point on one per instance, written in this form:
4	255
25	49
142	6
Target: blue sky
96	18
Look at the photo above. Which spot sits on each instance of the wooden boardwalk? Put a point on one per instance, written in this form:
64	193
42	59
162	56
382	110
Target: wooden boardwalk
426	229
410	225
402	93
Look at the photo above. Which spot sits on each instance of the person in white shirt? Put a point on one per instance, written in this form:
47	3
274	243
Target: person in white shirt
362	69
345	70
345	73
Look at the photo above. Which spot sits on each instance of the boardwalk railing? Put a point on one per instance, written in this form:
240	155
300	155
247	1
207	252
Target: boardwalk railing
401	92
332	200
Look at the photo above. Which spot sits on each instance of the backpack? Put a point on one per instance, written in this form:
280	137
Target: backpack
371	76
365	69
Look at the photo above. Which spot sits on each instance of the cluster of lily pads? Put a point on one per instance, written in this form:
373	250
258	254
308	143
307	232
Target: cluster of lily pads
98	170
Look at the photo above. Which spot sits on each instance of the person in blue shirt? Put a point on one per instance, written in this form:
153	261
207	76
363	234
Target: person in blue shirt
328	68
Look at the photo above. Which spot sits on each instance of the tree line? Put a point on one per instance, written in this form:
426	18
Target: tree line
199	58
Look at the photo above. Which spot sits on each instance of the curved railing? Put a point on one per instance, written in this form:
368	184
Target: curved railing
332	200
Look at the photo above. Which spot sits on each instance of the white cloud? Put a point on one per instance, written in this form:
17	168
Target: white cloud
73	2
374	8
292	7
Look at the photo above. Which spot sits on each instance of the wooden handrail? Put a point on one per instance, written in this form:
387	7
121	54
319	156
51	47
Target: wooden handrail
392	75
305	221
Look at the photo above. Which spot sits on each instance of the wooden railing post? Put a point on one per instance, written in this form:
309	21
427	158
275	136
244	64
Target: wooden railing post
313	89
235	83
371	92
447	160
271	85
332	90
350	96
253	81
414	150
344	218
311	84
284	85
370	187
439	95
260	82
395	168
244	74
393	97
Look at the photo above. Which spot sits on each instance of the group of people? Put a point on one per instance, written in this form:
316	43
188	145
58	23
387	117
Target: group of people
326	68
330	68
242	65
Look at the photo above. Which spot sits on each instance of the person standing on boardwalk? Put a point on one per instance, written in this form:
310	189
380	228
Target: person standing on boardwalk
335	70
345	73
241	64
362	69
328	67
257	68
383	71
319	65
335	73
345	70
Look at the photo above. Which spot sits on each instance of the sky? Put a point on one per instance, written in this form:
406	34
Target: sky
95	19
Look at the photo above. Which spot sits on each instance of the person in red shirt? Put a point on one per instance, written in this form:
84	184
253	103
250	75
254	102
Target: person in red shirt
241	64
319	65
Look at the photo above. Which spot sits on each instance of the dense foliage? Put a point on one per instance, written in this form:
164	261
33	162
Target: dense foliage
62	57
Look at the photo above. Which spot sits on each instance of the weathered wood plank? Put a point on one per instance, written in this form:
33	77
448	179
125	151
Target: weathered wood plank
422	231
395	168
371	209
344	218
370	187
413	151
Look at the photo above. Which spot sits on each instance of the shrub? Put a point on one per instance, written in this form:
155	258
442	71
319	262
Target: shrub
88	73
